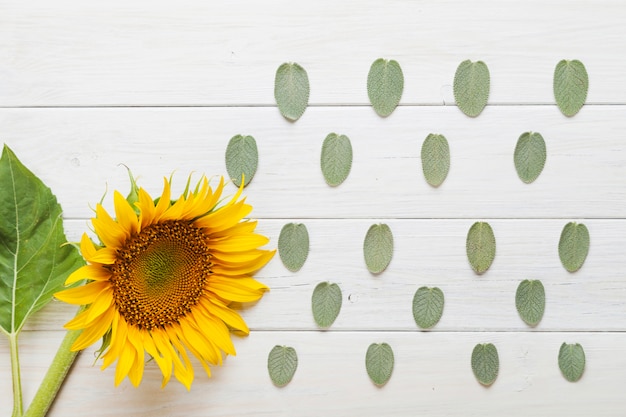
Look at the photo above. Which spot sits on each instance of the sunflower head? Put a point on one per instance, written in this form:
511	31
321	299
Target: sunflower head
163	279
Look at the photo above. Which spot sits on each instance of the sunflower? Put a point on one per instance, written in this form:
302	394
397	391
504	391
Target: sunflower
164	278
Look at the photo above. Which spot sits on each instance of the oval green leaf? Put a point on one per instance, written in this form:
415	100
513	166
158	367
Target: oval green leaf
281	364
242	159
336	159
481	246
326	303
293	245
435	159
485	363
530	301
427	306
385	83
378	248
34	257
529	156
574	246
571	83
572	361
379	363
471	87
291	90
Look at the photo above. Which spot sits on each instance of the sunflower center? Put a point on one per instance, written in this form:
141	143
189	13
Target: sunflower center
160	273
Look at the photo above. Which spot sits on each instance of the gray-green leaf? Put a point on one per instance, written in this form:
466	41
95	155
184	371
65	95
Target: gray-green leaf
378	248
34	259
281	364
435	159
571	83
242	157
485	363
379	363
326	303
336	159
572	361
471	87
385	83
481	246
529	156
427	306
293	245
530	301
573	246
291	90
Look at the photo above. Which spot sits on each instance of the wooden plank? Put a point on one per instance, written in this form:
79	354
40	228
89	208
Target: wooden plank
76	53
432	253
432	376
79	152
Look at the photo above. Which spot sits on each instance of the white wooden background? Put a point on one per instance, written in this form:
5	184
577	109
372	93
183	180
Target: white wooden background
162	87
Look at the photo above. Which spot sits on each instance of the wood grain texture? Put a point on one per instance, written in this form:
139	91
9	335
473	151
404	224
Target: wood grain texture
78	53
162	87
584	176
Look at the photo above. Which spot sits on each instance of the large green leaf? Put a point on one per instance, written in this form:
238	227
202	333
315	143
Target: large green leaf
574	246
34	262
378	248
485	363
293	245
242	158
572	361
427	306
471	87
282	363
435	159
481	246
326	303
379	363
530	301
336	159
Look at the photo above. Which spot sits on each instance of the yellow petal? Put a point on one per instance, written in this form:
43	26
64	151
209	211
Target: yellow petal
90	272
107	229
94	332
238	243
124	213
87	248
125	362
164	201
228	316
83	294
145	204
243	268
164	363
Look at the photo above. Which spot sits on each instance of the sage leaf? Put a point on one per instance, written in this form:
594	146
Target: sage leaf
282	363
481	246
379	363
385	83
485	363
435	159
293	245
326	303
242	158
574	246
34	259
378	248
336	159
427	306
529	156
572	361
291	90
570	84
530	301
471	87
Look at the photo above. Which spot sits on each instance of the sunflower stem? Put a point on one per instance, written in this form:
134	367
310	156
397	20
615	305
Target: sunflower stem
15	372
55	376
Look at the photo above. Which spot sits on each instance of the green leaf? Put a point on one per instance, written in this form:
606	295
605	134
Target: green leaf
379	363
326	303
378	248
385	83
572	361
291	90
435	159
481	246
34	259
293	245
471	87
281	364
427	306
530	301
529	156
485	363
571	83
574	246
242	157
336	159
